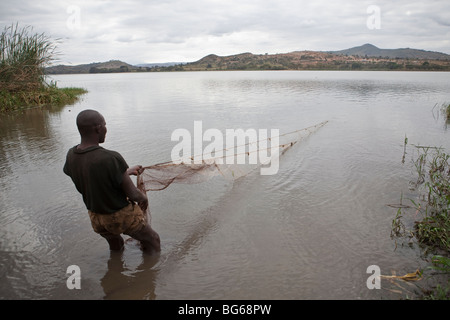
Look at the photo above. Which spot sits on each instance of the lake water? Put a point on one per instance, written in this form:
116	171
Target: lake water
308	232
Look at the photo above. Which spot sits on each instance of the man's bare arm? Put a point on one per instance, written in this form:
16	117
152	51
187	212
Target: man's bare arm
133	193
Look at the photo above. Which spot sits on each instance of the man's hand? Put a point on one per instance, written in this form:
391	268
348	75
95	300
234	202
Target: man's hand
133	193
135	170
143	204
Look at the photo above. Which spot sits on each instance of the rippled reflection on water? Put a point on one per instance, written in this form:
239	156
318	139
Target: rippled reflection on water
308	232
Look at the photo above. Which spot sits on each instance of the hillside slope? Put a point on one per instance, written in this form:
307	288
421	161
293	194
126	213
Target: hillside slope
370	50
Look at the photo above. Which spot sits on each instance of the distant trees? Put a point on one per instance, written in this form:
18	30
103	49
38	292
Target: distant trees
109	70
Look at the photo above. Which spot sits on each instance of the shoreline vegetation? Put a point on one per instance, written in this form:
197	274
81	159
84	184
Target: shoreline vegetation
23	59
430	212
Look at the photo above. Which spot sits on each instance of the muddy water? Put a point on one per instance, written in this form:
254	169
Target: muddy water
308	232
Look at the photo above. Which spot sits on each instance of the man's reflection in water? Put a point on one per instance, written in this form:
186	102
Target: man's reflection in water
128	283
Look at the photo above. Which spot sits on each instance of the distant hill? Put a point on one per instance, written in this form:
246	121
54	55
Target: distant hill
96	67
365	57
111	66
404	53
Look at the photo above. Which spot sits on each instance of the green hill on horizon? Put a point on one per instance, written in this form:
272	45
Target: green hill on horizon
365	57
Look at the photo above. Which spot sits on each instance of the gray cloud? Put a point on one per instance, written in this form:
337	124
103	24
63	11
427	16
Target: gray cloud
173	30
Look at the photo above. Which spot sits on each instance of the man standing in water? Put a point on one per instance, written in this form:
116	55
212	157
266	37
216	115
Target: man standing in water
115	205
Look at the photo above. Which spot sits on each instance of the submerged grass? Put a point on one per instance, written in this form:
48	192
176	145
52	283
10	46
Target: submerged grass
23	58
432	166
432	231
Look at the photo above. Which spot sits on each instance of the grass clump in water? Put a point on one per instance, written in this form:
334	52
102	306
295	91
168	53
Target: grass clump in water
23	58
434	174
50	95
433	201
433	205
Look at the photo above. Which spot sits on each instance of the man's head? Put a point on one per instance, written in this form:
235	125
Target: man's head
91	124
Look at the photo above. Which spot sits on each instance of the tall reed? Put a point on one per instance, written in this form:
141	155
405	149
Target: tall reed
23	58
24	55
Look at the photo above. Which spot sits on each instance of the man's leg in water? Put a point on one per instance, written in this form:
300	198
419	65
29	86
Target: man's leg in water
149	239
115	241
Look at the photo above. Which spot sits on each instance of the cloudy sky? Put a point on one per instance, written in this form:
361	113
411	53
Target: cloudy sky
138	31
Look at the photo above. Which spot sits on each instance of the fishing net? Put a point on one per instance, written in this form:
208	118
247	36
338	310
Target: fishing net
232	163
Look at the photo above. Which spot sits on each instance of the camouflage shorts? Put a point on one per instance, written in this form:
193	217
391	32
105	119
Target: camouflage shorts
127	221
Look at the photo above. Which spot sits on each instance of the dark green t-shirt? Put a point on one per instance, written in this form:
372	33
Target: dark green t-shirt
97	174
